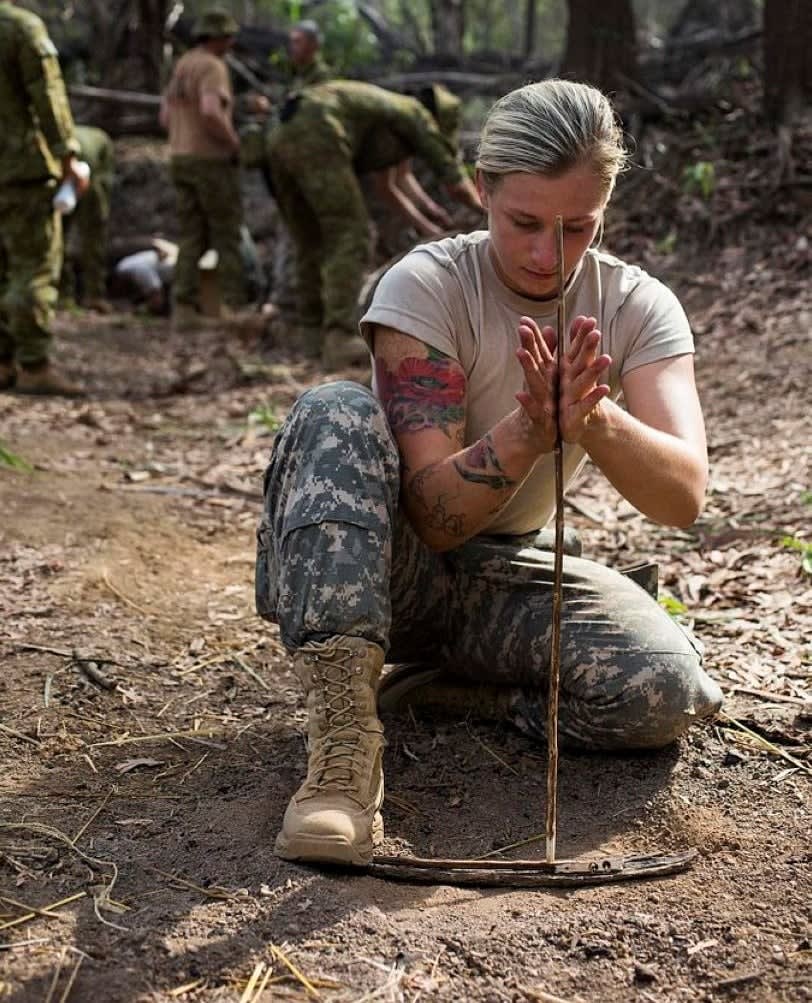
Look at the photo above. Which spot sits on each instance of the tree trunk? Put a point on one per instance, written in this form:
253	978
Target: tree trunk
787	66
529	46
448	28
601	43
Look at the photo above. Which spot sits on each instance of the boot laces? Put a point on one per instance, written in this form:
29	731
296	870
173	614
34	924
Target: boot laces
340	759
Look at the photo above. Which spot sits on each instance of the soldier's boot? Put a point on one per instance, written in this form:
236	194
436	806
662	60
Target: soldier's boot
340	350
43	379
335	816
437	693
6	374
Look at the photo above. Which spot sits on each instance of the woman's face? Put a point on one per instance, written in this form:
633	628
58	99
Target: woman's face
521	215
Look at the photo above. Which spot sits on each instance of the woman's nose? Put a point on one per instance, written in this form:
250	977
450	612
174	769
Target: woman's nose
543	252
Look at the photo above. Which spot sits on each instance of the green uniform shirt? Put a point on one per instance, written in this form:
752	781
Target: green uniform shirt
36	124
349	113
318	72
96	147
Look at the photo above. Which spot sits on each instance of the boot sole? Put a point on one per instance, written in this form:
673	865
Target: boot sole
330	849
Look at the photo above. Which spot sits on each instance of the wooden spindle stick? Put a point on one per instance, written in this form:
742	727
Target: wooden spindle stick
558	568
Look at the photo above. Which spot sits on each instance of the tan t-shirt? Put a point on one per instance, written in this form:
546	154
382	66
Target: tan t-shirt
197	72
448	295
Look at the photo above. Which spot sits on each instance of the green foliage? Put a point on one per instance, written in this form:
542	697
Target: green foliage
12	460
348	42
667	243
699	178
806	497
267	416
672	605
803	548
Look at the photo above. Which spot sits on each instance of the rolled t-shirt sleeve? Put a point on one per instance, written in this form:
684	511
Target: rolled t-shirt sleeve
662	328
417	296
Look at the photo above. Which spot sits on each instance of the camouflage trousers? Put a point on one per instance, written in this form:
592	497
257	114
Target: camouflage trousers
335	557
210	214
30	261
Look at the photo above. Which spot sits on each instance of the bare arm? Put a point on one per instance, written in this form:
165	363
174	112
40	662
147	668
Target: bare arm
386	185
408	183
450	493
654	454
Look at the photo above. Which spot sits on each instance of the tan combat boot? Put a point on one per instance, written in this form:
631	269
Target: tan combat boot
334	817
341	350
43	379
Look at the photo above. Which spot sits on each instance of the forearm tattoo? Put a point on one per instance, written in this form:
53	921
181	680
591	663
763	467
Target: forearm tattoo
480	465
436	505
422	393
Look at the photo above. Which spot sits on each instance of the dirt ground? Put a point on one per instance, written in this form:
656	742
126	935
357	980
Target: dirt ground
151	727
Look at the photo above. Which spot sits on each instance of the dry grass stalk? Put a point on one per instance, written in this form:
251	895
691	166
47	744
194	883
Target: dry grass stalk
248	994
46	910
493	754
214	892
764	743
310	989
120	595
93	817
247	668
166	736
513	846
186	988
30	908
100	899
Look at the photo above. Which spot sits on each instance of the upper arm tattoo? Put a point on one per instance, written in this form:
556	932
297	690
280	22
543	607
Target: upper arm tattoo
422	393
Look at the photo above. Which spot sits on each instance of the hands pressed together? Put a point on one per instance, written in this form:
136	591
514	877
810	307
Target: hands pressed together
580	373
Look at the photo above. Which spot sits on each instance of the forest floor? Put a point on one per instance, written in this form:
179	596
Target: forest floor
151	729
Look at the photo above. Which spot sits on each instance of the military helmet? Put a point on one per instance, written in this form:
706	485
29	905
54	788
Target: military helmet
215	23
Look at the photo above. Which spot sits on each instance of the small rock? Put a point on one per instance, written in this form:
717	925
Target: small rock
644	973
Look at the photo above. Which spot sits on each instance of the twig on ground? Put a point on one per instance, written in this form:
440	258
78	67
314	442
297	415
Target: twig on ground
19	734
167	736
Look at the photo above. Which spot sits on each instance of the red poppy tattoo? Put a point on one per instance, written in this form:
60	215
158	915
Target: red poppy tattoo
422	393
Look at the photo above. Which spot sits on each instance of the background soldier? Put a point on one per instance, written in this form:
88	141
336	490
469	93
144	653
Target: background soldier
204	146
304	50
90	219
38	150
312	157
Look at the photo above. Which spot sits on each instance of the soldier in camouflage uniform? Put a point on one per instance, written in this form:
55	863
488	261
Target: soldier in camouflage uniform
304	50
90	220
403	525
38	150
312	157
197	109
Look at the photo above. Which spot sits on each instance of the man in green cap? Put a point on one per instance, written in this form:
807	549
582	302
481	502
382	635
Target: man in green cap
38	151
312	156
196	109
90	219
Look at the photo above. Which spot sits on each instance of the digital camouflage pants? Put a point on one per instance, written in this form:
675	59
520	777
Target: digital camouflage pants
30	261
335	557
